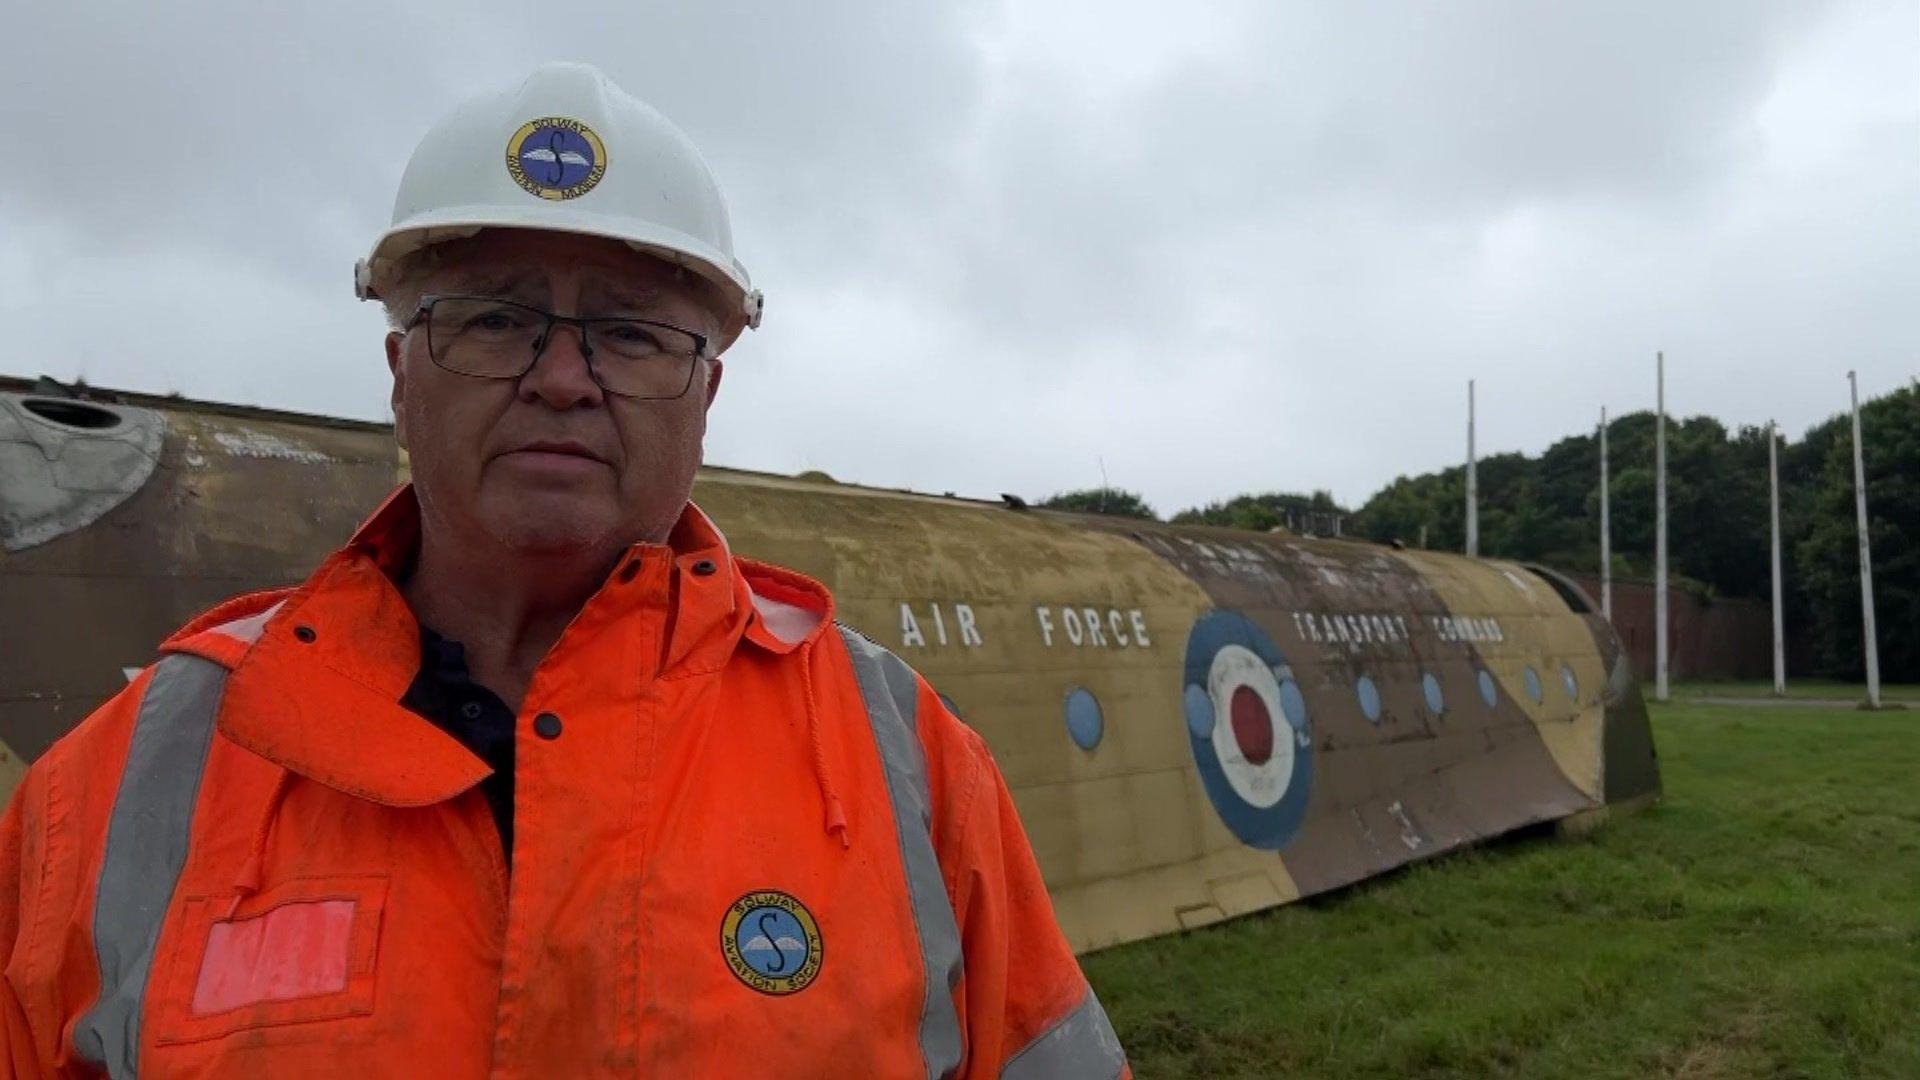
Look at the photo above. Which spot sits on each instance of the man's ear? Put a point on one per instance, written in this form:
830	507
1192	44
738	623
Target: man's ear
714	370
395	365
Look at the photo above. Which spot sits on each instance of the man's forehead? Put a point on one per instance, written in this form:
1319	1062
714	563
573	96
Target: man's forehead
528	255
612	276
506	278
503	278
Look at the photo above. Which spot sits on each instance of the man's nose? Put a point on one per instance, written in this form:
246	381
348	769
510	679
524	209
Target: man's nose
560	376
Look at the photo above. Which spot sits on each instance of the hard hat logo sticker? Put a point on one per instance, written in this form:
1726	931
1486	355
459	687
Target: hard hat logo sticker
556	157
771	942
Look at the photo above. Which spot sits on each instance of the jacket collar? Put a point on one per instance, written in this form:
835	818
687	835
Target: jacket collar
318	673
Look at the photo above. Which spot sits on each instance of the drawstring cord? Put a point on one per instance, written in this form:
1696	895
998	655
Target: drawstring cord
251	871
836	814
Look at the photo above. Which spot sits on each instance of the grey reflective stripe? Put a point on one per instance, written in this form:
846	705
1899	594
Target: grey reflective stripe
146	847
892	693
1082	1044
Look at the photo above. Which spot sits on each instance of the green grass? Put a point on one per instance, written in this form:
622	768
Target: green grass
1763	920
1803	689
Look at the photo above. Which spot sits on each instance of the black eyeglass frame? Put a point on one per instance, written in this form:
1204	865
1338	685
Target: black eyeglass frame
424	311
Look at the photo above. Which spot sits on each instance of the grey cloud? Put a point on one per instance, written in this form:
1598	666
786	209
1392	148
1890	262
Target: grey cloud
1241	245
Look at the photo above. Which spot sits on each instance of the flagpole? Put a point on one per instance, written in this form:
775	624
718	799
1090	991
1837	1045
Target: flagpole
1660	530
1473	501
1779	633
1871	642
1606	529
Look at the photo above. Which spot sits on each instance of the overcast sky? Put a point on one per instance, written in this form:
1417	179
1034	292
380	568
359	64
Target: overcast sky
1212	247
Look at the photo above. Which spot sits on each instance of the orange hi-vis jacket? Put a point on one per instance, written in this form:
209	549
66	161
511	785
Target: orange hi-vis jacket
747	842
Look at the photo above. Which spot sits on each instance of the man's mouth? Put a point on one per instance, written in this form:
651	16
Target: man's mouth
551	454
564	448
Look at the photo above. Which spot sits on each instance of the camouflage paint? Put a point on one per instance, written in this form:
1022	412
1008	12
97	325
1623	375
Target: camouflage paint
1020	618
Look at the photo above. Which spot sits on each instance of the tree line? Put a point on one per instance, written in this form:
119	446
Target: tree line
1545	508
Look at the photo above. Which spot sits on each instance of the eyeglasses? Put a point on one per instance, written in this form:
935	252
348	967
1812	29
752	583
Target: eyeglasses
499	339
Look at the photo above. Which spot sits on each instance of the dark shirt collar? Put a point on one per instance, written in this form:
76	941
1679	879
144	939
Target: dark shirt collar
445	693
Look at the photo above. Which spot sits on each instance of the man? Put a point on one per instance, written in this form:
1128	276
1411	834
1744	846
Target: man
535	777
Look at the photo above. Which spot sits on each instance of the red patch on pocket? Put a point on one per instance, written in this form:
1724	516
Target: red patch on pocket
301	951
296	950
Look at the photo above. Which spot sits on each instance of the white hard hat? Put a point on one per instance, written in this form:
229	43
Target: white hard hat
571	152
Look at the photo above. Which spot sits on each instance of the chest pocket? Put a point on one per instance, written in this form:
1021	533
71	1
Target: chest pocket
299	952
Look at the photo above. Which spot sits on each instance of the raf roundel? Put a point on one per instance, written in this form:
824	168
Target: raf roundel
1248	727
556	157
771	943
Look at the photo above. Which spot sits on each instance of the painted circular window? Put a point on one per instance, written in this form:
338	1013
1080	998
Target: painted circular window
1293	704
1199	712
1369	695
1572	683
1534	690
1489	692
1436	701
1084	723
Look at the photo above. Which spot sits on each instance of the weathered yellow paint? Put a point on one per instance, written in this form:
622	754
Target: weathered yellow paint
1540	631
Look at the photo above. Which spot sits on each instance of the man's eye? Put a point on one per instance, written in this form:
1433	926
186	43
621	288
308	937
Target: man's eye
631	334
496	321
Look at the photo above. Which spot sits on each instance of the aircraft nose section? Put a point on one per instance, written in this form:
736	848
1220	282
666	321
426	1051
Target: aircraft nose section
64	463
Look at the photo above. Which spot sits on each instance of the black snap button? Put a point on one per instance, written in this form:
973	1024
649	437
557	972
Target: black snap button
547	726
704	567
305	633
471	710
